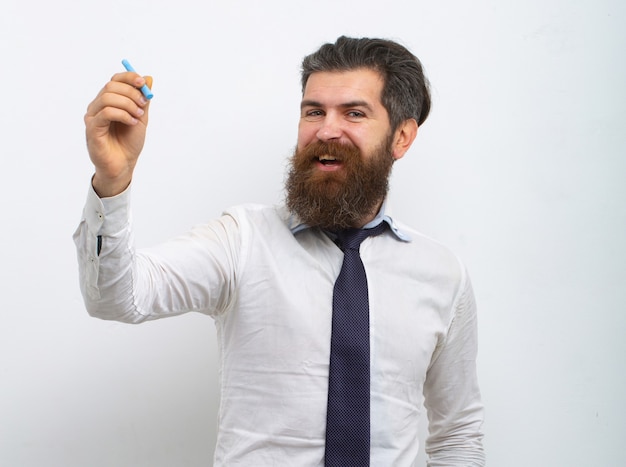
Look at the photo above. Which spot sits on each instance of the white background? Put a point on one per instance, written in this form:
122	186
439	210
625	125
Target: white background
520	169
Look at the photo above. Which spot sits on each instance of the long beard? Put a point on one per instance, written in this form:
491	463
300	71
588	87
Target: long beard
338	199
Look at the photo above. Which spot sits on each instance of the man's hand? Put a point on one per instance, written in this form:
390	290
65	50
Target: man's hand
115	125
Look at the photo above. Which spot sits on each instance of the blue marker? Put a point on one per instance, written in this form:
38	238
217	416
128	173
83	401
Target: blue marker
144	89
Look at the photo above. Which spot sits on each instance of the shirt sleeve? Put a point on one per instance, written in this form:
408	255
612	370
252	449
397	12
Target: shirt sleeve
451	394
193	272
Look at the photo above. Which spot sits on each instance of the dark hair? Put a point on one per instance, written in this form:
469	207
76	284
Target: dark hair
406	90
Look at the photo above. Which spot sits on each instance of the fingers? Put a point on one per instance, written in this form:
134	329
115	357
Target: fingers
119	101
112	106
115	124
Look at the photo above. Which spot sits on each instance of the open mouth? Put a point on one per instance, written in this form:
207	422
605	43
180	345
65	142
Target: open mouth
327	160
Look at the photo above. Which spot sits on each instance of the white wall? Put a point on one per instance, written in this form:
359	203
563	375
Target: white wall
520	169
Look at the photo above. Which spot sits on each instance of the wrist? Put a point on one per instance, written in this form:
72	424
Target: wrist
106	187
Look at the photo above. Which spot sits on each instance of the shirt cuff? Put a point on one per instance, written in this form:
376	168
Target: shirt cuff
114	210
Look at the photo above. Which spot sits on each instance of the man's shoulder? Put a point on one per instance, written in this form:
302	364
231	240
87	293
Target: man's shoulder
426	249
417	236
261	215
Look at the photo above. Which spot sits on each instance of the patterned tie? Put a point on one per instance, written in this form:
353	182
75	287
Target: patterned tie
348	417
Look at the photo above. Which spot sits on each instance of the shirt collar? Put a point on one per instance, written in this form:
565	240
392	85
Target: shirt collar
384	214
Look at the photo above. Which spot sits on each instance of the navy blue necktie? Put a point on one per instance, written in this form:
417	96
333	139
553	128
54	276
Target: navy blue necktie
348	417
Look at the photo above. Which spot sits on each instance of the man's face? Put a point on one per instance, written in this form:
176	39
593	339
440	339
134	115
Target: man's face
344	107
339	173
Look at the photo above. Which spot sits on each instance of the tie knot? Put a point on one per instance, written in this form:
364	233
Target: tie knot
350	239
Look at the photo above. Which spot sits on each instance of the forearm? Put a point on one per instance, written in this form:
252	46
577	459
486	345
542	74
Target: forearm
465	449
106	259
193	272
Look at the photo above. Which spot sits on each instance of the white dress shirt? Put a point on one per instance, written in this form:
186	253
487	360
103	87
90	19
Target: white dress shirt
268	284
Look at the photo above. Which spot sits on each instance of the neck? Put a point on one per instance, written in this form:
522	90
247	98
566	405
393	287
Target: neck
370	216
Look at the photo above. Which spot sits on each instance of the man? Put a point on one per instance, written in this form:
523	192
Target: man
267	276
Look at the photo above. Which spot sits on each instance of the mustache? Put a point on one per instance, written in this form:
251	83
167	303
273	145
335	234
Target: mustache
340	198
339	151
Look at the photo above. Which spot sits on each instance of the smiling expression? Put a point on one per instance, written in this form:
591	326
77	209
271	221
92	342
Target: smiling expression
344	107
340	169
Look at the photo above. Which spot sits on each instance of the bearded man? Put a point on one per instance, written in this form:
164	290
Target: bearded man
327	347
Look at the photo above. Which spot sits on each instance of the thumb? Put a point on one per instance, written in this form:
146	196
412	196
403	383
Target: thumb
148	81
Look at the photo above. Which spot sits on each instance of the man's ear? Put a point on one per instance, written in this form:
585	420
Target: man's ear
404	137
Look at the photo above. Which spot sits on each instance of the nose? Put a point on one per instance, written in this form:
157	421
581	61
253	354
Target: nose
330	129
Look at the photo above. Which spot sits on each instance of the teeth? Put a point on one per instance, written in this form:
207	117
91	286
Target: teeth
326	157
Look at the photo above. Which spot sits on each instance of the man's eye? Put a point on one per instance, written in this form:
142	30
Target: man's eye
355	114
313	114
